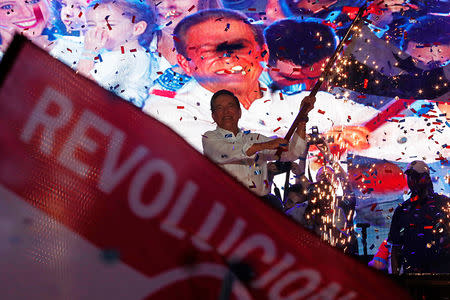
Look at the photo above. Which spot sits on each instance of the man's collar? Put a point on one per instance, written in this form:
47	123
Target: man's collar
228	134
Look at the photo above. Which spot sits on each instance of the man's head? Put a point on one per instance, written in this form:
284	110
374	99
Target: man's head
427	40
220	49
418	177
295	194
226	110
298	50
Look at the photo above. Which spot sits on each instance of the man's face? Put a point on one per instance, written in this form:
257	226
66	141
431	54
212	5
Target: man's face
226	113
223	55
294	198
287	73
25	16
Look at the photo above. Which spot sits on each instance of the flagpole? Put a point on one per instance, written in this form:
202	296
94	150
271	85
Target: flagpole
302	114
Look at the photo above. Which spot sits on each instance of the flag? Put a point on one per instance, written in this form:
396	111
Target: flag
99	200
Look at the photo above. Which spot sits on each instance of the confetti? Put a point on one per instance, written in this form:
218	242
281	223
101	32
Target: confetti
122	49
275	130
180	107
191	8
133	19
321	111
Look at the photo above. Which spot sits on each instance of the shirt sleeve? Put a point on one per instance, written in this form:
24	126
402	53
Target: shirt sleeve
128	76
297	148
383	253
394	232
222	151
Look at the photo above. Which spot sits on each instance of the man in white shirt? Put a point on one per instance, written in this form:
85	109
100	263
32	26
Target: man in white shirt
242	153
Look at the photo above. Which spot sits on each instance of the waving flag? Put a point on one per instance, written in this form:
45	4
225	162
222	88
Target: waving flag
100	201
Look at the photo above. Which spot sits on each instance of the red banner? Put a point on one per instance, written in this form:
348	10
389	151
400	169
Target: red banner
104	191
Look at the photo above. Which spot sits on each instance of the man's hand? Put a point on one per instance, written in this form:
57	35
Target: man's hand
277	143
95	39
350	137
270	145
307	104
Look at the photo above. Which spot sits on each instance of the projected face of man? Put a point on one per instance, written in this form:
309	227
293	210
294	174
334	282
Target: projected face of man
286	73
223	55
28	17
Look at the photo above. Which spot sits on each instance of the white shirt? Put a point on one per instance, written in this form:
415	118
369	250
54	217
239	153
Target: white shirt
128	75
160	60
188	113
229	151
68	49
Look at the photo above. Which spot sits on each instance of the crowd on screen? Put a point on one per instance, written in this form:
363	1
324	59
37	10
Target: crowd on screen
169	57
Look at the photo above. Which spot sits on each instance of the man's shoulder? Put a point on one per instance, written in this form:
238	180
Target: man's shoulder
211	134
405	205
441	199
